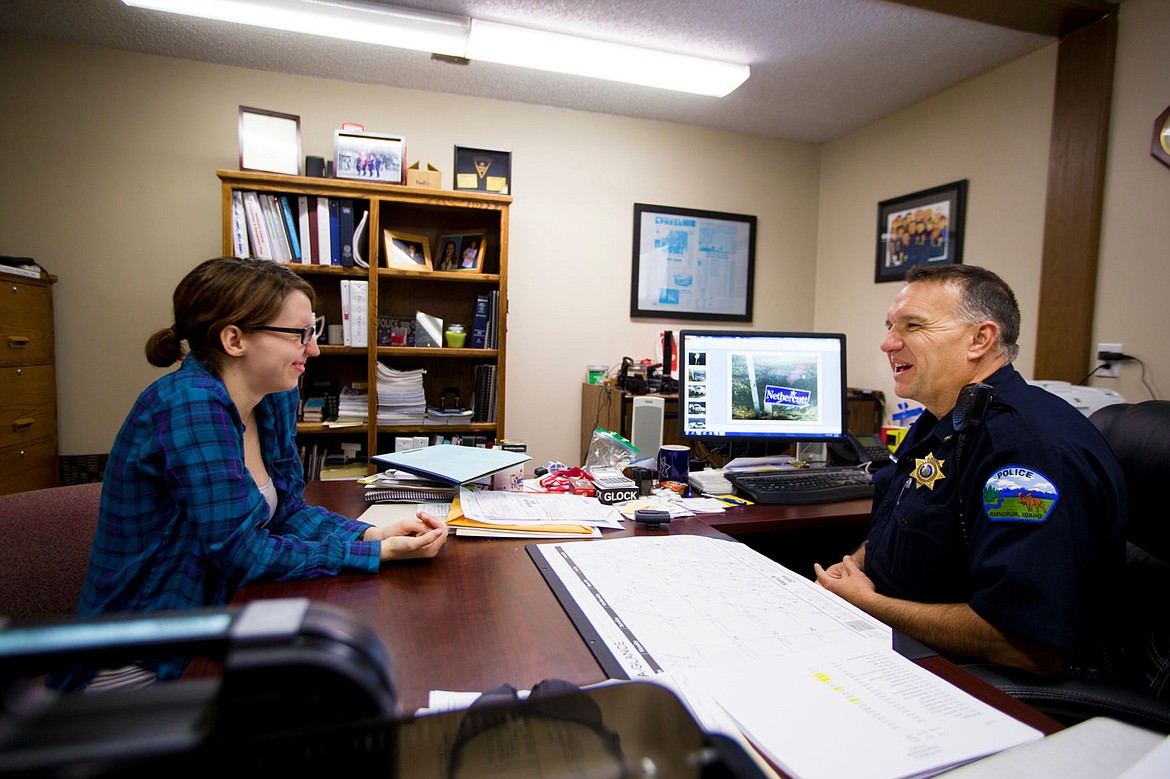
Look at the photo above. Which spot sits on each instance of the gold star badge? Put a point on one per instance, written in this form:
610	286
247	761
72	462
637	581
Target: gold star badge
927	470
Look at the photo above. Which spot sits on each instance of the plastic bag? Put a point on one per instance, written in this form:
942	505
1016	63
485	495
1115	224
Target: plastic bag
609	450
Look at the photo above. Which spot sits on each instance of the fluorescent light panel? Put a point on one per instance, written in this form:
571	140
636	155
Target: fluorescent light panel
527	48
473	39
351	21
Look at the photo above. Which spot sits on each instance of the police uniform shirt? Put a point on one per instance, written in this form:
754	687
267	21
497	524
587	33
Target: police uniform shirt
1029	532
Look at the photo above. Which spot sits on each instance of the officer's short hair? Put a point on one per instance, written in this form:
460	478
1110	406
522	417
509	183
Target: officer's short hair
983	296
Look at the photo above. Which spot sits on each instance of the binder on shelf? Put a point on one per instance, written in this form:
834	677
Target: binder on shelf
479	323
239	226
303	229
334	232
359	292
290	229
324	241
360	241
276	226
346	222
314	237
346	322
257	227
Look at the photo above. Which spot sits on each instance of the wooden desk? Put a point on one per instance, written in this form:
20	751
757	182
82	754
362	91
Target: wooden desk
480	614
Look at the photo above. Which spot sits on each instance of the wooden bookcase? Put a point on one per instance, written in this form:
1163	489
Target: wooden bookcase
398	292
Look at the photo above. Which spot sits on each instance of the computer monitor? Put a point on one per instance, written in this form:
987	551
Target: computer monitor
744	386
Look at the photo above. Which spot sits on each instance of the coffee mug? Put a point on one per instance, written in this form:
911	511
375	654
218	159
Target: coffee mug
335	335
674	463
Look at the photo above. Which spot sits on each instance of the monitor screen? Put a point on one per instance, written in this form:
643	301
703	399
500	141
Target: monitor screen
760	387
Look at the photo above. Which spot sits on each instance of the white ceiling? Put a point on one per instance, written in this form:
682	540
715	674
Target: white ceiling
820	68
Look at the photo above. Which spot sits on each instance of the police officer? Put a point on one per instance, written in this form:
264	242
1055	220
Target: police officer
998	534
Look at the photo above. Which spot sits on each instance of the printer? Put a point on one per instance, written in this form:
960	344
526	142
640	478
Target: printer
1084	399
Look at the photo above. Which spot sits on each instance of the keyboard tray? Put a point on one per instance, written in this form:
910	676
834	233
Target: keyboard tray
805	485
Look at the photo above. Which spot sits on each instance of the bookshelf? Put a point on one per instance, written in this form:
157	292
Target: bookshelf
399	292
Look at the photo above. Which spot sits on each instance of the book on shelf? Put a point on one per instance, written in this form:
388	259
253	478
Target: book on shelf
483	403
31	271
239	226
479	323
275	221
304	233
359	292
346	321
324	241
257	227
334	232
346	222
290	229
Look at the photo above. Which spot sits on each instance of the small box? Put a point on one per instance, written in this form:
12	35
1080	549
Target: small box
893	435
429	178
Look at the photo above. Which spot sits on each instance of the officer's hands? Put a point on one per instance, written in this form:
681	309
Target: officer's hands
845	579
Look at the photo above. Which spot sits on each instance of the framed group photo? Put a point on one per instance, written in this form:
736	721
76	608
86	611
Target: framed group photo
407	251
483	170
462	251
922	228
369	156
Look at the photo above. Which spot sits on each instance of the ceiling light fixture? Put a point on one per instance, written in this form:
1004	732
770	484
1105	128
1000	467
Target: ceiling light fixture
549	51
350	20
474	39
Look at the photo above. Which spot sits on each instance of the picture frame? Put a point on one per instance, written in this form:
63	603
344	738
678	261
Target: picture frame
922	228
461	251
692	264
369	156
483	170
407	251
270	142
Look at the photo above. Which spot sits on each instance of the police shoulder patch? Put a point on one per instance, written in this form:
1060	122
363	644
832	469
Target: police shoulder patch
1019	494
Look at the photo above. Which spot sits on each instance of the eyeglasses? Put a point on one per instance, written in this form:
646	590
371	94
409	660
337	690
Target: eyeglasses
306	333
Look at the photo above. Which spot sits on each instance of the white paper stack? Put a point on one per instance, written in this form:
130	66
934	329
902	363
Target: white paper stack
401	399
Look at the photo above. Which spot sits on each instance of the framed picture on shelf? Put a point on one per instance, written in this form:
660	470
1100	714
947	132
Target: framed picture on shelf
462	251
483	170
407	250
922	228
270	142
369	156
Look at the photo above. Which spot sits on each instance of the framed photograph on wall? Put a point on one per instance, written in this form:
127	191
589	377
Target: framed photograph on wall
922	228
483	170
270	142
462	251
407	250
691	264
369	156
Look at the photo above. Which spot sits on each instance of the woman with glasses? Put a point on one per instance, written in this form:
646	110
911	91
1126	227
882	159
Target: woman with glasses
202	491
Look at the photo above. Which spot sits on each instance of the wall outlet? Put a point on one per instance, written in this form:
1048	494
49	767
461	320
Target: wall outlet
1113	370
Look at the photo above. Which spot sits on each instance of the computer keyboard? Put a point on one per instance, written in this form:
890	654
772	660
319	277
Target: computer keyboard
807	485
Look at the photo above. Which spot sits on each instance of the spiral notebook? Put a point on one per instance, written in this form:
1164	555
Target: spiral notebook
387	495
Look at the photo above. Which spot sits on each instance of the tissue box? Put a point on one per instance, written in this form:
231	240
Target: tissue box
430	178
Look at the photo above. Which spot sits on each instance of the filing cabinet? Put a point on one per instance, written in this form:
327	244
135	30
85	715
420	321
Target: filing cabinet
28	385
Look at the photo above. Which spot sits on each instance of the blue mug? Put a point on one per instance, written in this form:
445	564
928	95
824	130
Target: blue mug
674	463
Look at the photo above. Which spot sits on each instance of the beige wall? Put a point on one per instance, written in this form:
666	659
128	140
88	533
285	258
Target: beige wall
1133	282
109	181
992	131
111	185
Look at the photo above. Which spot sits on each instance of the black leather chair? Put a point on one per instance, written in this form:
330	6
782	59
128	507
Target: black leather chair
1139	435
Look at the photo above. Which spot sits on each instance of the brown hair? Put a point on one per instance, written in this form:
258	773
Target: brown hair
983	296
220	292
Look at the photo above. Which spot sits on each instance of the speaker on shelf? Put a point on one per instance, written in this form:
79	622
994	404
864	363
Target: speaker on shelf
315	166
646	418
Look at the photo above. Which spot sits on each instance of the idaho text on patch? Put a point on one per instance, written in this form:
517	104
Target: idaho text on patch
1019	494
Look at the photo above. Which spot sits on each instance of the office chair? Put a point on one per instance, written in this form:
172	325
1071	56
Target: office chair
1139	435
44	554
